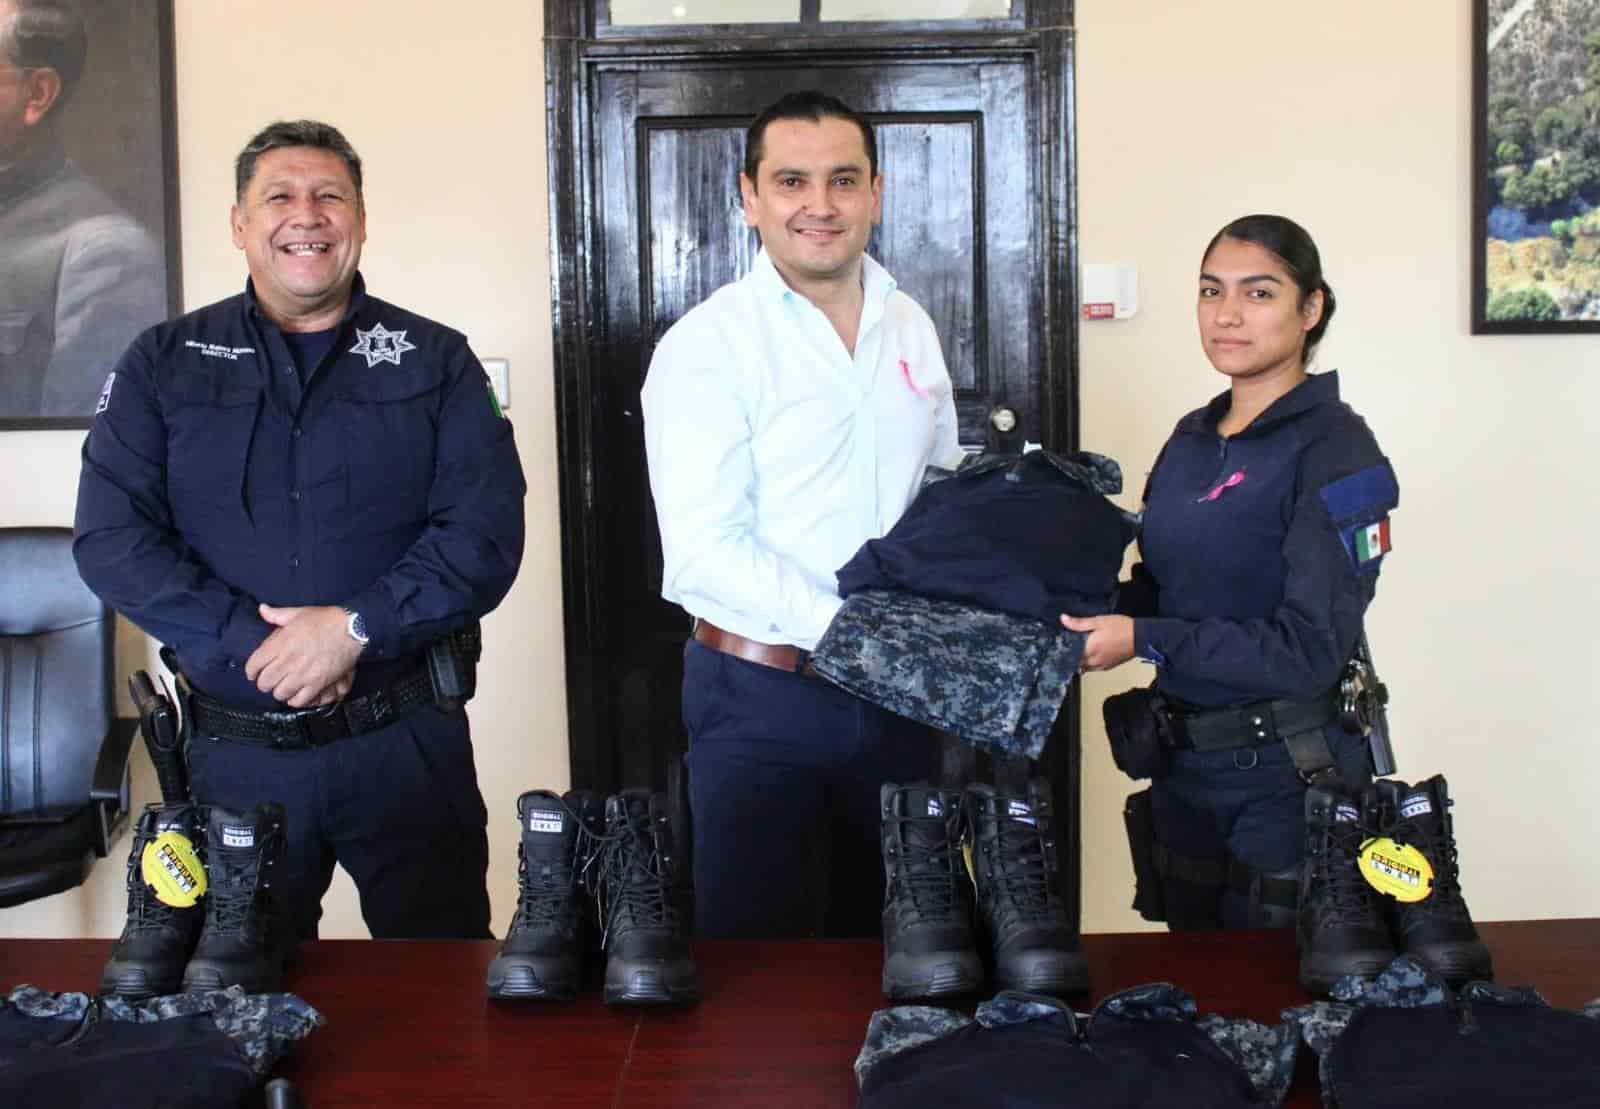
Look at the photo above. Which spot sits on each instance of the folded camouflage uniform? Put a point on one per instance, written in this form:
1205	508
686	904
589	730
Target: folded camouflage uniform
993	680
1406	1039
1141	1048
203	1049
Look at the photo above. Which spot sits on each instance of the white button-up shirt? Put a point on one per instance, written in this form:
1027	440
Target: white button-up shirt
774	453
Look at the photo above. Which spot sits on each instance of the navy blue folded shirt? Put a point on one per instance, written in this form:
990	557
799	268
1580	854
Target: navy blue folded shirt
1030	535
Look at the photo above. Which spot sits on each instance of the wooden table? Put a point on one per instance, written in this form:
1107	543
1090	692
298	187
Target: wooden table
409	1026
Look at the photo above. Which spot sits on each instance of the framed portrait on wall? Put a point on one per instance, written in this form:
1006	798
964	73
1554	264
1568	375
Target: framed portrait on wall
1536	166
88	198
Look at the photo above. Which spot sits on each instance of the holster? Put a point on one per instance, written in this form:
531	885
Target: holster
1363	708
1149	899
1136	725
158	722
453	666
183	701
183	695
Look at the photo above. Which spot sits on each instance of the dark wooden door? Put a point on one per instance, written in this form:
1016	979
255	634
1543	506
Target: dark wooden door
646	145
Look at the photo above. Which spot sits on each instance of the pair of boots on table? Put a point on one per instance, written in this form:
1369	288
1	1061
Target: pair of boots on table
587	864
204	910
598	871
1346	926
963	862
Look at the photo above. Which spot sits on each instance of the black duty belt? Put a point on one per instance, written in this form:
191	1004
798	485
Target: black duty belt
300	728
1254	725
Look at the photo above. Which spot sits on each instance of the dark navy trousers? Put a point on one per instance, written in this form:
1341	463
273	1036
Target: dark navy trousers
784	774
398	808
1247	802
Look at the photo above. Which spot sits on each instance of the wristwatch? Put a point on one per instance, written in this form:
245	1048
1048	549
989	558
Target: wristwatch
356	627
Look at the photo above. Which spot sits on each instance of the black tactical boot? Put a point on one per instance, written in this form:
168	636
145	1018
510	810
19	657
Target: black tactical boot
928	950
643	905
1436	931
543	953
245	940
1342	928
1013	843
148	960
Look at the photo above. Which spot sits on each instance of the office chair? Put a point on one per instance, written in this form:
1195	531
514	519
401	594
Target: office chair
63	752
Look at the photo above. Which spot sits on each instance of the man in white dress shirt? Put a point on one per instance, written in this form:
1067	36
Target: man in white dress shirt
788	419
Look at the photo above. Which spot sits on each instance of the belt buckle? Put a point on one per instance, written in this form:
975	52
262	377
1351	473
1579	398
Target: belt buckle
306	726
326	725
288	730
300	729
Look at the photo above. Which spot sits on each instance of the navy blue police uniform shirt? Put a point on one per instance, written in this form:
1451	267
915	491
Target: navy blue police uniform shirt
216	476
1261	551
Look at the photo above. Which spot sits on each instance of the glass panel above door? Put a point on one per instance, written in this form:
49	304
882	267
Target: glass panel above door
922	11
665	13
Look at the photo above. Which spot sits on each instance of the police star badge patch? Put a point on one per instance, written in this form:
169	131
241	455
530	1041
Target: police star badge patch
381	345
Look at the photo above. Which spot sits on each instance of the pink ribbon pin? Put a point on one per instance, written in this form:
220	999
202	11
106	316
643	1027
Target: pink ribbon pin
905	368
1233	479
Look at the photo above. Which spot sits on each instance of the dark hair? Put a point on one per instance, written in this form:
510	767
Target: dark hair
47	34
1291	245
300	132
815	106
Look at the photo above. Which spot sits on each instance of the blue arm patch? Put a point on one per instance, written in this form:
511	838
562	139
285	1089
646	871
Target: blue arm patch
1364	495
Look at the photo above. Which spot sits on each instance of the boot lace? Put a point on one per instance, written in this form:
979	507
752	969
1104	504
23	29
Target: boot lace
1440	848
634	880
546	891
235	883
1349	896
1019	880
146	911
924	870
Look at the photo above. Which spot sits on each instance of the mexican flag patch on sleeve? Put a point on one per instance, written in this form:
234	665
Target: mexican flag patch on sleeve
1372	541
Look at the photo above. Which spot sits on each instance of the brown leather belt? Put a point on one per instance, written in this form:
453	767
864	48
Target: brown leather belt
779	656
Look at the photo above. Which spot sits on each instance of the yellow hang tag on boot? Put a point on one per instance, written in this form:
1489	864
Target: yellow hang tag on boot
171	866
1396	869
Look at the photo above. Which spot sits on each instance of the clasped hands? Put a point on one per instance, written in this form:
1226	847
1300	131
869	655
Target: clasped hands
309	658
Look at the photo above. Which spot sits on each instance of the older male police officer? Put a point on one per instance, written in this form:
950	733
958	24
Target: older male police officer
300	489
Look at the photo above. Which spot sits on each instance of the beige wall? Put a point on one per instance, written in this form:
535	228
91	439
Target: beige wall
1351	117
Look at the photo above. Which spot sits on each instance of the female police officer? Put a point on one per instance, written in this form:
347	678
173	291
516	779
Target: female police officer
1265	523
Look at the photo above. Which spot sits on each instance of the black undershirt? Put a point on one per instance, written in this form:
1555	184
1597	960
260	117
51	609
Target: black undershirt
308	348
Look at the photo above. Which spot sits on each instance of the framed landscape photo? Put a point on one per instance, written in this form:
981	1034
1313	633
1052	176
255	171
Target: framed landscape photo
88	198
1536	166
